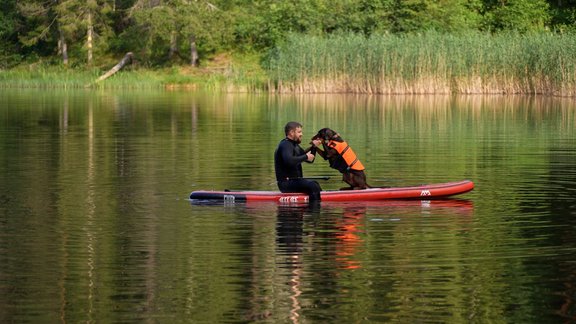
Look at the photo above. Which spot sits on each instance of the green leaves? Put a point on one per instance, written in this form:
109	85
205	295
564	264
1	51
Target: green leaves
156	30
172	24
518	15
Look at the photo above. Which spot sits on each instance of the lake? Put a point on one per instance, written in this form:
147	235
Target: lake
96	225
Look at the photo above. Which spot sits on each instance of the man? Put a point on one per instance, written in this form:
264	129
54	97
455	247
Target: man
288	160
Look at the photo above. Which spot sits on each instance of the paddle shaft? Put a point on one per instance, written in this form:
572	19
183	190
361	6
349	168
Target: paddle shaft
313	178
309	178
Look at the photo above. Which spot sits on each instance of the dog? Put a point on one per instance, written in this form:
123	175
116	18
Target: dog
342	158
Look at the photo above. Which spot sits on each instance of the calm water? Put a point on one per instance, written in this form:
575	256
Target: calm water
95	224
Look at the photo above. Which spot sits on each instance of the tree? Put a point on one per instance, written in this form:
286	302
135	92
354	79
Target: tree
517	15
160	29
8	32
208	24
175	31
7	18
267	22
84	17
563	14
62	22
441	15
376	16
39	24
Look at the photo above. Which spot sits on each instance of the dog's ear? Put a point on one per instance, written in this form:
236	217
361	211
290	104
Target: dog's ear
317	136
320	134
328	134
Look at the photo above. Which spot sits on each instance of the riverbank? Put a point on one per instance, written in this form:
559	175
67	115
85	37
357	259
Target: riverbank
428	63
223	72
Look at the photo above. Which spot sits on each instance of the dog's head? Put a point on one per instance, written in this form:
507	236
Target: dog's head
327	134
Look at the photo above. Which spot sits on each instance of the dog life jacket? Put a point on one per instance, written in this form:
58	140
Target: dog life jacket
347	154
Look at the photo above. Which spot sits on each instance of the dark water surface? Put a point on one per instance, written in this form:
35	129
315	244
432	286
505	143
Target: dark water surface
95	225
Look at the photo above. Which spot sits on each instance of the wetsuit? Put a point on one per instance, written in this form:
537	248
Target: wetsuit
288	160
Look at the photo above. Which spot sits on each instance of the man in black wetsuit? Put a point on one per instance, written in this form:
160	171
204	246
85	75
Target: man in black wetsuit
288	160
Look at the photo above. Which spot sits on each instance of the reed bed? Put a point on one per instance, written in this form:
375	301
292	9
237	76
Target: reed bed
428	63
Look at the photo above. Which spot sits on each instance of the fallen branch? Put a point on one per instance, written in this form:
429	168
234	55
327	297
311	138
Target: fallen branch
125	60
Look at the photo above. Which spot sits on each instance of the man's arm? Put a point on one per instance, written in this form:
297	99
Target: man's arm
315	148
287	153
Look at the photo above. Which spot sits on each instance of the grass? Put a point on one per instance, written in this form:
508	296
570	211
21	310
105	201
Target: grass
222	72
427	63
63	78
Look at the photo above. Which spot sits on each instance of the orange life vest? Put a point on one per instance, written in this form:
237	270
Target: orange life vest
347	154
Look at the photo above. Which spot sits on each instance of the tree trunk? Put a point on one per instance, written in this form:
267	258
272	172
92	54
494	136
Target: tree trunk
173	45
89	38
193	51
127	59
63	49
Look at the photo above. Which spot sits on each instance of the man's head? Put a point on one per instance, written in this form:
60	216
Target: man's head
293	131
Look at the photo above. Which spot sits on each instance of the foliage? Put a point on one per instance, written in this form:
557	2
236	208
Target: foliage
7	18
446	15
161	32
430	62
563	14
155	27
8	34
519	15
239	74
49	28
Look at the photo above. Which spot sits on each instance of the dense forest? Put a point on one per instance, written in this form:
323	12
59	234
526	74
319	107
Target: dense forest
167	32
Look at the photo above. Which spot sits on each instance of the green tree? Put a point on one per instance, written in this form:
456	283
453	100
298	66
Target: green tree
39	24
86	20
65	21
441	15
267	22
8	32
7	19
264	23
209	24
563	14
376	16
162	29
517	15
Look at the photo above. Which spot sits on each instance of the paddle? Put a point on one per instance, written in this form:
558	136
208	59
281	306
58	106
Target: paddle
316	178
385	180
307	178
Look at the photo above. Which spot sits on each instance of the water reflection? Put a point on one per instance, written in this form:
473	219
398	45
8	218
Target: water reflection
94	227
289	233
332	254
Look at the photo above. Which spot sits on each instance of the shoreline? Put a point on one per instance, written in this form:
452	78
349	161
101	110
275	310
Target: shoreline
153	79
429	63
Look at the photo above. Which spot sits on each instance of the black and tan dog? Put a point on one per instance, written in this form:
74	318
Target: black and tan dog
342	158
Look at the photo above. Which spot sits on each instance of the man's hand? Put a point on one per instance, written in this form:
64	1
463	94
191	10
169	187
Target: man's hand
310	157
316	142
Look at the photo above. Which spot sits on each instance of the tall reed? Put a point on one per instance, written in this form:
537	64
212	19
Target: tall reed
427	63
